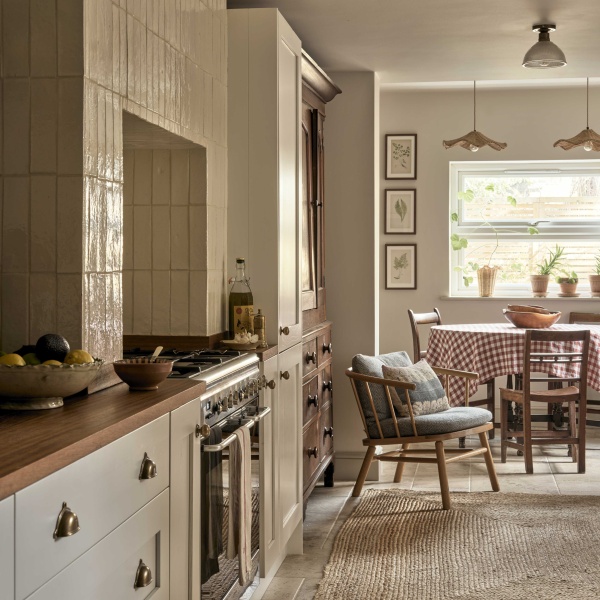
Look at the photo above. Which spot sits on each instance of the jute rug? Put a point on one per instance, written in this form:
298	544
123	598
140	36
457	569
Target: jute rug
400	545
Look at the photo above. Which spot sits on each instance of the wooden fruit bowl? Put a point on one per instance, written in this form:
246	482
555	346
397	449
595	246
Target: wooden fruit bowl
143	373
531	320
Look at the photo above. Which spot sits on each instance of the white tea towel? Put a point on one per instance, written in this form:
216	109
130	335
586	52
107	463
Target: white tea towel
240	503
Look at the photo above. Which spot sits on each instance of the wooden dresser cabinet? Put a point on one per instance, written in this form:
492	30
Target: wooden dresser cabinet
317	385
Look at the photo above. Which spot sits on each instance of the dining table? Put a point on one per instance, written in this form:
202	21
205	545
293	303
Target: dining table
494	350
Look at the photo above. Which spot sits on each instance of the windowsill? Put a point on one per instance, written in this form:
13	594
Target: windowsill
529	298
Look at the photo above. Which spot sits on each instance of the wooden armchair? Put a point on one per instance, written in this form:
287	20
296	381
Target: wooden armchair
384	428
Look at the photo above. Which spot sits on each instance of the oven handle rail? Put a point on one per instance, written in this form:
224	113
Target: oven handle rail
264	411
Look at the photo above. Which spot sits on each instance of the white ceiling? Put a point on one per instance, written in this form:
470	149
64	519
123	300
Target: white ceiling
437	41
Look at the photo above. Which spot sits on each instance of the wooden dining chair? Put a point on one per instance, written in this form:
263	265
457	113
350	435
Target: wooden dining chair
435	318
374	397
561	357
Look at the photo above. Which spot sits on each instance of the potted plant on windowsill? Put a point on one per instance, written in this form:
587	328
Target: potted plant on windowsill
568	284
539	282
595	278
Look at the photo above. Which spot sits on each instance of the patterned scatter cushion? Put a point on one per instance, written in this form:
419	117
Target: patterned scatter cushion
372	365
429	396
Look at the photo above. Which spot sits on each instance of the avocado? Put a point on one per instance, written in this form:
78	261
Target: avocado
52	347
23	350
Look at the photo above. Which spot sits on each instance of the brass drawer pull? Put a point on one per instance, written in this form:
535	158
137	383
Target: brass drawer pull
284	331
328	431
311	357
67	523
143	576
328	385
313	400
202	431
284	375
313	452
327	348
148	468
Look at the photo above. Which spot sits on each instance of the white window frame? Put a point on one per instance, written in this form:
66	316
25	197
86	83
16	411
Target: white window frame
556	231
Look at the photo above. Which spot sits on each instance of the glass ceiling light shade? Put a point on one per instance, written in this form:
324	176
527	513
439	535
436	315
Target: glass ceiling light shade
474	139
588	139
544	54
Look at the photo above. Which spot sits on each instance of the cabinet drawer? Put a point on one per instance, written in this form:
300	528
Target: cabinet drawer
311	445
309	357
311	400
7	548
324	346
109	569
326	430
103	489
326	385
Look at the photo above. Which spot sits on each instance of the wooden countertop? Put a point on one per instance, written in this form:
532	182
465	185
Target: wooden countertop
34	444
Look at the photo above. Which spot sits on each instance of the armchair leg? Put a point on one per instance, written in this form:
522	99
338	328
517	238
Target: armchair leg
443	474
489	462
400	466
362	475
503	429
491	406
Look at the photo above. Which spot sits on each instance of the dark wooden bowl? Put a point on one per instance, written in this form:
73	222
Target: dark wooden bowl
141	374
531	320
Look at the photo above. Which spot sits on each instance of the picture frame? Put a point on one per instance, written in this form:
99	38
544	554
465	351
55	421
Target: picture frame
400	211
400	266
401	156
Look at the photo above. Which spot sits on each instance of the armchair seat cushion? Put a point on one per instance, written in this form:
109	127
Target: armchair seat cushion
453	419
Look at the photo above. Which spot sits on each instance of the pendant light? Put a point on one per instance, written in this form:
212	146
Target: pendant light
588	138
474	139
544	54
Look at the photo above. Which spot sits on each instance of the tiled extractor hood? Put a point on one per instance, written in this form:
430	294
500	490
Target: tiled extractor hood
70	69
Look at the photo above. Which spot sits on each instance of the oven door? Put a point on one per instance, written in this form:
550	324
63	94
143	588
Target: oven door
220	575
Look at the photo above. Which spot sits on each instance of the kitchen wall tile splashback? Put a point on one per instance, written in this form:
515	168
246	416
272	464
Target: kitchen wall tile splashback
69	70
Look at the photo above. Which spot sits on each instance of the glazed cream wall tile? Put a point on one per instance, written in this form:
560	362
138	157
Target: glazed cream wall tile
180	177
15	38
198	303
69	219
180	301
44	108
16	93
198	176
198	238
180	238
142	241
70	126
42	313
43	33
142	302
70	37
15	225
69	311
127	301
90	128
15	309
161	177
128	239
43	226
142	177
161	303
161	238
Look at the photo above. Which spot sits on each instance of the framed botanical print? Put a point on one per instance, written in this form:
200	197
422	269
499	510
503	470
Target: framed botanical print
401	156
400	211
400	267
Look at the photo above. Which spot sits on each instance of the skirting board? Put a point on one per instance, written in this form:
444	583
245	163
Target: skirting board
347	466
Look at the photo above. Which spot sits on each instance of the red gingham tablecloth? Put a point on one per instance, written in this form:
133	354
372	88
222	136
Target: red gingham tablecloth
495	349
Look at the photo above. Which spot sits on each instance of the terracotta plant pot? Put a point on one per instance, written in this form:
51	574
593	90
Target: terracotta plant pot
539	285
486	278
567	288
595	285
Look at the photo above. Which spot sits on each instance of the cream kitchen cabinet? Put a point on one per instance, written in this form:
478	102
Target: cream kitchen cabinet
7	545
264	109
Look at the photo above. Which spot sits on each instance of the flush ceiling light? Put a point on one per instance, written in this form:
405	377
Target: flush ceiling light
474	139
544	54
588	138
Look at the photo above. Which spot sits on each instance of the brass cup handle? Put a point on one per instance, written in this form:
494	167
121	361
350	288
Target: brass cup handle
284	375
327	348
67	523
313	400
328	431
143	576
148	468
311	357
328	385
271	384
313	452
284	331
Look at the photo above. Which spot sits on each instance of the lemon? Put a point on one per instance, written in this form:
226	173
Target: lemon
12	359
78	357
52	362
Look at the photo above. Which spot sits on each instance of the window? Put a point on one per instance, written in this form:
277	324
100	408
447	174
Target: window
513	214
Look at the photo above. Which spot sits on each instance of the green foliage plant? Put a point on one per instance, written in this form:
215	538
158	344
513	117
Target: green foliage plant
459	243
567	277
552	262
597	265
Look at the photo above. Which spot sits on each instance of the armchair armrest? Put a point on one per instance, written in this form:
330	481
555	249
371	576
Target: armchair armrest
455	373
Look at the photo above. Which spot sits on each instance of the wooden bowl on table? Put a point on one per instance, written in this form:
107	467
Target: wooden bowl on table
531	320
142	374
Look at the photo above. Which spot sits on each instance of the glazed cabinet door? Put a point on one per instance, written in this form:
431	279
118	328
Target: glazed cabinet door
289	441
269	540
185	502
7	548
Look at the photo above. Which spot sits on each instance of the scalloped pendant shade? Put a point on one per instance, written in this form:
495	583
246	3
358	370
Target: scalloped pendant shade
474	139
587	139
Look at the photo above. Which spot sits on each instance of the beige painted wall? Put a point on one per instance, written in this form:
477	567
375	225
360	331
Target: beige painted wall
351	217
